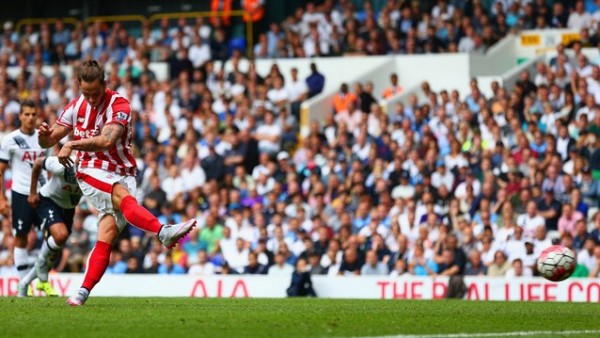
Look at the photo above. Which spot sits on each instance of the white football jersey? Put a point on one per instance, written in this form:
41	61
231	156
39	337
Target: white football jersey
62	188
20	151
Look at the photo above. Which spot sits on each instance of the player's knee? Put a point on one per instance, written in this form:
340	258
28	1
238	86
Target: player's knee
109	235
61	237
108	230
118	193
20	241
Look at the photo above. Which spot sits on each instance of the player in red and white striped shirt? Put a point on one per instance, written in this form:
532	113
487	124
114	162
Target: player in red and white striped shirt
87	121
101	123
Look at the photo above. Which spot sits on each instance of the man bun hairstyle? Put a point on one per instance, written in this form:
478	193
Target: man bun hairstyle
90	71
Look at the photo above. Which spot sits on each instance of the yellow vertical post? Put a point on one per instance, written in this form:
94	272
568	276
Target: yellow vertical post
249	39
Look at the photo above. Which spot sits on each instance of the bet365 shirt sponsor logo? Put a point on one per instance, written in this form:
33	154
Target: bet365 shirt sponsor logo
86	133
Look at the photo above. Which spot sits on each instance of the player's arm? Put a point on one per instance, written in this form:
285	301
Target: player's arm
33	199
48	137
3	200
107	139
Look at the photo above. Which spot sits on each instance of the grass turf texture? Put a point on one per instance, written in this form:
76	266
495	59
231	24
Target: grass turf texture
189	317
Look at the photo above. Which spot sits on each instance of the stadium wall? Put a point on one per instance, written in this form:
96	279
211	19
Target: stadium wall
440	70
359	287
497	60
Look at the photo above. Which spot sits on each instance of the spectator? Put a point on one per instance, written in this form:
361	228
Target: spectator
400	269
301	285
265	257
280	268
581	234
153	264
351	264
581	271
254	267
170	268
518	270
365	96
278	95
116	264
420	265
199	52
568	219
344	100
316	268
213	164
448	266
500	265
155	197
269	135
531	219
193	246
297	92
315	81
550	208
173	184
202	266
579	18
133	265
372	266
211	233
475	267
393	89
541	240
237	258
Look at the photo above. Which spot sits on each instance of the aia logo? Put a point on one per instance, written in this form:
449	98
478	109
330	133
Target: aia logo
86	133
31	156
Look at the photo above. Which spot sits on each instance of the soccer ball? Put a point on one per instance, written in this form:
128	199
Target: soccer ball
556	263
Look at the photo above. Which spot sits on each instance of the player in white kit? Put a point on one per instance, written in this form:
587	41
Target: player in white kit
19	150
55	204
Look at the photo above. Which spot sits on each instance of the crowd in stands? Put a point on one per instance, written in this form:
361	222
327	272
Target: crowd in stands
320	28
449	185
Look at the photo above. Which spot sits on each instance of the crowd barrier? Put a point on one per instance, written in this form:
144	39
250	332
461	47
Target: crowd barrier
358	287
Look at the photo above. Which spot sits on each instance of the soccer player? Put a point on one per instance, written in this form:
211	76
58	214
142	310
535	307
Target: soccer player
101	123
55	205
20	149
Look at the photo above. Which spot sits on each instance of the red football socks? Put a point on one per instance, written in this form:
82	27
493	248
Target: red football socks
138	216
96	264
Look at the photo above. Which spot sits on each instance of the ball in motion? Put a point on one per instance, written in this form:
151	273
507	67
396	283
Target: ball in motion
556	263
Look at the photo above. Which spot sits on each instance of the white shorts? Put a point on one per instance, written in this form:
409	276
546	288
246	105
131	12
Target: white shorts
97	184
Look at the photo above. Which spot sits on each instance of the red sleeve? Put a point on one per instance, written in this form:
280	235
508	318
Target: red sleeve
120	112
66	117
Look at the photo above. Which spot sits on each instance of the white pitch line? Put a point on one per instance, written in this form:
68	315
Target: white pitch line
498	334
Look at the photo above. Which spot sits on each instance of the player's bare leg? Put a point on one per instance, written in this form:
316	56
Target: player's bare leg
141	218
97	260
108	232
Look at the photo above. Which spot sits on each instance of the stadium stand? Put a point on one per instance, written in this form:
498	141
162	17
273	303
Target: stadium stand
443	184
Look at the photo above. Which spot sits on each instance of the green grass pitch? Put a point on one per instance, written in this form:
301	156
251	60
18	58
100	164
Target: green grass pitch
199	317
